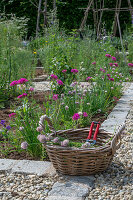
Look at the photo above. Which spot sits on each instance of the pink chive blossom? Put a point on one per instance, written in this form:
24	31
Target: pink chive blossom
24	145
39	128
85	114
59	82
108	75
127	79
74	71
112	88
64	71
94	63
76	116
113	58
65	143
42	138
12	115
21	128
24	94
111	79
101	69
108	55
22	80
53	76
111	64
31	89
116	64
113	68
20	96
66	107
14	83
56	140
88	78
55	97
86	145
130	64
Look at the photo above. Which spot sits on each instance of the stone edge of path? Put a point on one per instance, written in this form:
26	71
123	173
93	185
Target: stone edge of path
116	118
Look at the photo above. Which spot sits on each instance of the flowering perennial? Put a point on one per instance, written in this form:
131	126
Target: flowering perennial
76	116
74	71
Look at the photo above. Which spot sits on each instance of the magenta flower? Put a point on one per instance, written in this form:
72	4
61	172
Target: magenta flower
22	80
111	79
76	116
94	63
108	75
24	145
130	64
12	115
59	82
116	64
53	76
55	97
64	71
74	71
101	69
31	89
24	94
111	64
20	96
85	114
108	55
88	78
14	83
114	58
42	138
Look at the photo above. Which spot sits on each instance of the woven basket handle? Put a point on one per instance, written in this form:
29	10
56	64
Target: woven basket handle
116	142
50	125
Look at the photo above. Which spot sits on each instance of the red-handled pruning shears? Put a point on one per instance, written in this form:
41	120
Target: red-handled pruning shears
93	142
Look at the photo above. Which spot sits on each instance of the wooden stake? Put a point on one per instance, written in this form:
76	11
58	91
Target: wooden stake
38	18
118	5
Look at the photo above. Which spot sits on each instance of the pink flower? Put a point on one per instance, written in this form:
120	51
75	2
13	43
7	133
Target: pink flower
114	58
56	140
88	78
31	89
24	94
20	96
55	97
94	63
59	82
111	79
22	80
108	75
76	116
53	76
39	128
42	138
101	69
116	64
65	143
64	71
74	71
111	64
115	98
85	114
12	114
108	55
14	83
130	64
24	145
66	107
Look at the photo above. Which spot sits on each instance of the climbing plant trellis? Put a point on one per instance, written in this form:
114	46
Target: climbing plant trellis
99	11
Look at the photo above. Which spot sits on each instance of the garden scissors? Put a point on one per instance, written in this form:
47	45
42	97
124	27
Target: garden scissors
93	142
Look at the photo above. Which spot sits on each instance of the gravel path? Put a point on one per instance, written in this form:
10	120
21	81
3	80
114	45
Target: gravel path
116	183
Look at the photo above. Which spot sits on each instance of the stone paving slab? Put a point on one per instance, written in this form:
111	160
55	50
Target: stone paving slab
31	167
64	198
7	164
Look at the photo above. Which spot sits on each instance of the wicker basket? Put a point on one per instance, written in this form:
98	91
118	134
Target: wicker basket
79	161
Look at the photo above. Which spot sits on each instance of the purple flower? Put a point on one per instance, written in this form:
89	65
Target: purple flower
101	69
65	143
76	116
113	58
85	114
8	128
24	94
20	96
66	107
42	138
94	63
59	82
39	128
64	71
2	122
76	102
55	97
108	75
53	76
31	89
88	78
14	83
24	145
108	55
111	79
56	140
74	71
